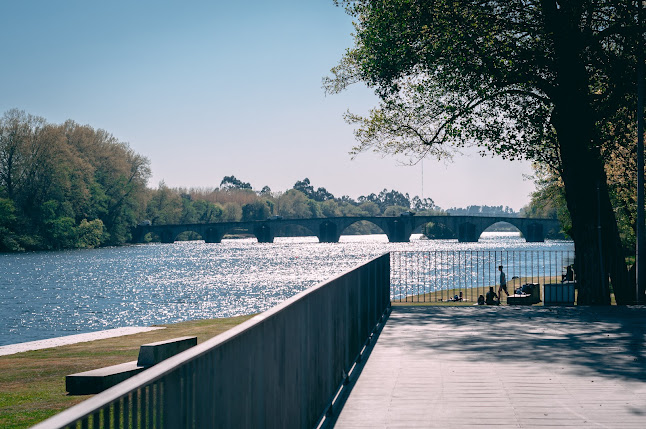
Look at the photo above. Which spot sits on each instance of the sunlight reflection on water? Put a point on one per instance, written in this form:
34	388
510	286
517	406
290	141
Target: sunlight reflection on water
49	294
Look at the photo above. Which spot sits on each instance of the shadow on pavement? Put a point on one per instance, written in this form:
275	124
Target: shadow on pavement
606	341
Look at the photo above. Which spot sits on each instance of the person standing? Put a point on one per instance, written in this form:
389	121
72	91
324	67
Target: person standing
503	283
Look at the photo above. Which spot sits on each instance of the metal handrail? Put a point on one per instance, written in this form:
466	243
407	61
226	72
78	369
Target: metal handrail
296	353
439	276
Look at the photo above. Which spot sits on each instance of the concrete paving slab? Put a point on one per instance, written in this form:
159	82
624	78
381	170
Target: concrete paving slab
515	367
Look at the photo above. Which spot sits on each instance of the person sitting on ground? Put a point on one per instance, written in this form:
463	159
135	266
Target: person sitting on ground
492	298
569	274
481	300
456	298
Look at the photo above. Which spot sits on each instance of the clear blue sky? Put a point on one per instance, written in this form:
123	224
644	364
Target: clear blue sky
206	89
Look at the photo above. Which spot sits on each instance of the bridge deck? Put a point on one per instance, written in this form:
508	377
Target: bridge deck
439	367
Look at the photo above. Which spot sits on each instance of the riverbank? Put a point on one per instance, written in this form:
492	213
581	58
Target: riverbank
74	339
32	383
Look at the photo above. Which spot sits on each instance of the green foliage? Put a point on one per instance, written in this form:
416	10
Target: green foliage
266	191
330	208
369	208
395	210
165	206
90	234
7	212
231	212
449	76
69	185
621	170
363	227
305	187
477	210
258	210
454	73
437	231
168	206
8	239
388	198
548	201
72	186
207	211
294	204
320	194
230	182
61	232
423	204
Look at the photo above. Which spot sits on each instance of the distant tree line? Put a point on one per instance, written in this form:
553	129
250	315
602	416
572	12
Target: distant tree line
68	186
235	200
483	211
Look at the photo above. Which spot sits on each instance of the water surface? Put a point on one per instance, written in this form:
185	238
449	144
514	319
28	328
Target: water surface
50	294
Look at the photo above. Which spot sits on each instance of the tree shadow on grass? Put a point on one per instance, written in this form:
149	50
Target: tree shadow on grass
603	341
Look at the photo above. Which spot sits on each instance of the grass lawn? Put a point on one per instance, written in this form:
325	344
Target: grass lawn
32	384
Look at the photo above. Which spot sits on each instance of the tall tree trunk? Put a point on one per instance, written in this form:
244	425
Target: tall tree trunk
594	228
596	235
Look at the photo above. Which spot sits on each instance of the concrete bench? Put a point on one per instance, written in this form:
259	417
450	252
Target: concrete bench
98	380
153	353
526	298
520	299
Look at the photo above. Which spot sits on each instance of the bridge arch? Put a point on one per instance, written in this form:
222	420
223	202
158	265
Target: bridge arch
171	235
283	228
359	223
397	228
295	230
438	231
531	229
503	225
189	235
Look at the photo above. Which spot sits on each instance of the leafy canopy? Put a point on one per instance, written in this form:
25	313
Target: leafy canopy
452	73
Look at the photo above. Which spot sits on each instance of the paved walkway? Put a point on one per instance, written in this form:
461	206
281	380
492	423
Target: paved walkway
505	367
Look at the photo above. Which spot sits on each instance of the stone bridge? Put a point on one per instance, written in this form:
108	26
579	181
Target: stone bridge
329	230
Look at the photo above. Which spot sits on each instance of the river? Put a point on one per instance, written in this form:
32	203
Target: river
50	294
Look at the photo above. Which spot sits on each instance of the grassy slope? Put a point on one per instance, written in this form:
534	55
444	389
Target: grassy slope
32	384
